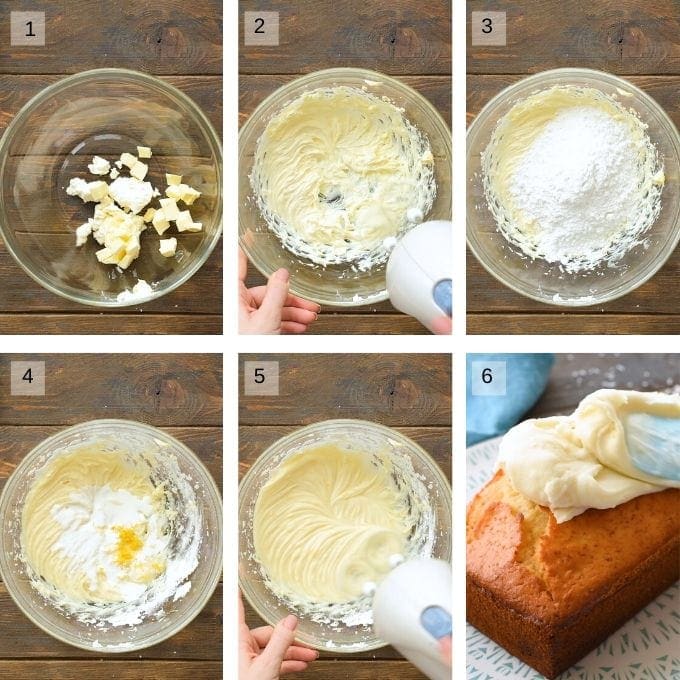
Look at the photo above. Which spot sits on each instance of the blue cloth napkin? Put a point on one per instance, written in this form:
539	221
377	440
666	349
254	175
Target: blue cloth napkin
526	376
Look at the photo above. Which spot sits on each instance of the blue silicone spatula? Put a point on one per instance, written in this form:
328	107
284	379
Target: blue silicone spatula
654	444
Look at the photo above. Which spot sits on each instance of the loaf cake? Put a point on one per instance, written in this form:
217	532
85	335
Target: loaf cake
550	593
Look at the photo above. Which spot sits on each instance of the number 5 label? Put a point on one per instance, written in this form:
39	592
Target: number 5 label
261	378
488	378
27	378
489	28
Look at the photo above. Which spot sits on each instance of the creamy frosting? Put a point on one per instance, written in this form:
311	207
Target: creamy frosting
94	527
327	523
572	463
336	172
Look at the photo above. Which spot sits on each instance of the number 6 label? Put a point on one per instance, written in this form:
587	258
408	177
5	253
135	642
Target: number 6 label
261	378
488	378
489	28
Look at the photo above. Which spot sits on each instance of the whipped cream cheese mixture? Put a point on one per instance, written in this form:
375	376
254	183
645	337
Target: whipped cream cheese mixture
97	533
572	177
339	173
330	523
572	463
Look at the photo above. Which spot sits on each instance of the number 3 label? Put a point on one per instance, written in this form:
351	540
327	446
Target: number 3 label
488	378
261	28
261	378
488	28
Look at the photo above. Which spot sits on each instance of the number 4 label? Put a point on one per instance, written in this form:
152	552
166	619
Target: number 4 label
488	378
261	378
489	28
27	378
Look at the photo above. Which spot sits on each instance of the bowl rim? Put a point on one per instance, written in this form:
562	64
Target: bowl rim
213	139
366	74
259	462
213	489
674	237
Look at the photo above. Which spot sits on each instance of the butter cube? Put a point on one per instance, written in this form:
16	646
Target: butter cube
139	170
173	180
128	159
160	223
148	215
168	246
114	173
170	209
82	232
182	192
184	222
144	152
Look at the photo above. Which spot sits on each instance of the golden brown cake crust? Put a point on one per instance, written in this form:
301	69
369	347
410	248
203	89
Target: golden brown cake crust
551	592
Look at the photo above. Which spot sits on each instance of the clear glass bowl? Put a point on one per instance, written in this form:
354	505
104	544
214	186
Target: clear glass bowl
334	285
538	279
52	139
125	435
352	434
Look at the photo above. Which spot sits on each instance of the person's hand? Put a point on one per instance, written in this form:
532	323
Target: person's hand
271	309
266	653
445	650
442	325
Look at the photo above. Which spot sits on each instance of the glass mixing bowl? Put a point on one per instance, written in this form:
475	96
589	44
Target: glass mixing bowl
127	436
336	285
541	280
52	139
351	434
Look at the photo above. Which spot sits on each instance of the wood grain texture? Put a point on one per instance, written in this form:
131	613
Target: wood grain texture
574	376
393	389
180	393
169	37
403	38
180	42
622	36
400	37
110	668
547	34
411	392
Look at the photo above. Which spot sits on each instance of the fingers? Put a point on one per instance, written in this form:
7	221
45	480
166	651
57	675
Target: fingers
303	316
271	657
293	667
442	325
262	635
274	299
297	653
295	301
293	327
242	265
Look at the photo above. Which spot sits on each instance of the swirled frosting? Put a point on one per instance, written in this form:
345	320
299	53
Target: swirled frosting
572	463
326	523
335	173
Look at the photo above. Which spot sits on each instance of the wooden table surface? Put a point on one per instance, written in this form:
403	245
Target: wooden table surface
179	41
181	394
403	38
574	376
637	40
411	393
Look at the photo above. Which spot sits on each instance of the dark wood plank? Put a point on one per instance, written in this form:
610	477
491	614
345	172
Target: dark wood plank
169	37
400	37
111	324
622	36
16	90
254	89
253	440
360	670
573	323
111	668
393	389
161	389
17	441
201	639
574	376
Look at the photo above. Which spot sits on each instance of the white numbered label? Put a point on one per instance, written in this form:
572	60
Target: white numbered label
261	28
489	28
27	28
489	378
261	378
27	378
